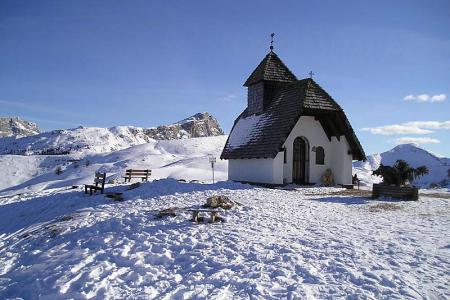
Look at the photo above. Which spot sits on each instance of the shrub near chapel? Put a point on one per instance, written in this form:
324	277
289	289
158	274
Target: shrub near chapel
400	174
396	178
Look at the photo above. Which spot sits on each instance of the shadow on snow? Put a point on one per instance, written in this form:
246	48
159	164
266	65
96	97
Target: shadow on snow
22	214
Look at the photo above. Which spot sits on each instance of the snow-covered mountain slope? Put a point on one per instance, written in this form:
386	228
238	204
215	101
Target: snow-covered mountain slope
310	243
81	139
180	159
439	167
17	127
100	140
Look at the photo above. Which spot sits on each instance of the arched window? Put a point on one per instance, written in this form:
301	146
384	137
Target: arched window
320	156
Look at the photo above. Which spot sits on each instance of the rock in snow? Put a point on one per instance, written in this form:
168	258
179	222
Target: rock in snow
17	127
219	202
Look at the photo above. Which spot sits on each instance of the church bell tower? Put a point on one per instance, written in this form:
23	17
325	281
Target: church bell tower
265	81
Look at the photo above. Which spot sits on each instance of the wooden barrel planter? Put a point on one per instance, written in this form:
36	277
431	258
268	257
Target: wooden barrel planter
400	192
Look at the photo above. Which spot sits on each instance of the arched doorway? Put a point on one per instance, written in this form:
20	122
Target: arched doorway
300	161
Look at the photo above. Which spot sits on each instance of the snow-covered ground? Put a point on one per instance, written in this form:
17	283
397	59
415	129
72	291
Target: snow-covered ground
180	159
57	243
298	243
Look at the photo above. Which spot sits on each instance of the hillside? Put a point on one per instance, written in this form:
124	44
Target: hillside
17	127
179	159
100	140
438	166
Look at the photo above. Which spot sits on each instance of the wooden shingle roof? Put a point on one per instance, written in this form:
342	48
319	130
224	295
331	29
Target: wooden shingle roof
271	68
267	132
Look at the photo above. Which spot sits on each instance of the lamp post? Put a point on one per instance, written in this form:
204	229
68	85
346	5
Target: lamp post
212	160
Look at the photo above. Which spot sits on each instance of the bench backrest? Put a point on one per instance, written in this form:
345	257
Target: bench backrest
131	172
100	178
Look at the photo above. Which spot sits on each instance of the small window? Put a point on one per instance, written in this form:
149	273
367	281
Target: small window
285	155
320	156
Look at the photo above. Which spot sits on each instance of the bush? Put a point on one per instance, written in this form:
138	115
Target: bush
400	173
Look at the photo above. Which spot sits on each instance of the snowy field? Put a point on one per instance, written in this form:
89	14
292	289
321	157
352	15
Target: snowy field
179	159
297	244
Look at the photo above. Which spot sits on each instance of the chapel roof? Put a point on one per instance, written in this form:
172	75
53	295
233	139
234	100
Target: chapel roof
271	68
263	135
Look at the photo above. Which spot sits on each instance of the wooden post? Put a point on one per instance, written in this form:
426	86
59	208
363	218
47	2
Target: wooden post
195	216
375	191
214	216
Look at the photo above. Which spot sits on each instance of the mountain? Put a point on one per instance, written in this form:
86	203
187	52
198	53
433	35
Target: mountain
198	125
99	140
17	127
439	167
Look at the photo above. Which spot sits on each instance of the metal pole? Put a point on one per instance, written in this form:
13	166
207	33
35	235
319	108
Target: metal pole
212	160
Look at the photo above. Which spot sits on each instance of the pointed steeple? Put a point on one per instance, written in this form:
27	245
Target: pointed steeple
272	69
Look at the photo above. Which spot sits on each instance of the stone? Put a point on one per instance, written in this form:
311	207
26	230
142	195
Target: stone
219	202
167	212
134	185
115	196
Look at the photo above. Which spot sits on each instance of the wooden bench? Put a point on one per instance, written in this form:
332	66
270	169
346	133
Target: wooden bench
131	173
99	184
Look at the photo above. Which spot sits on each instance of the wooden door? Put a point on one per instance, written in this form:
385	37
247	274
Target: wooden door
299	161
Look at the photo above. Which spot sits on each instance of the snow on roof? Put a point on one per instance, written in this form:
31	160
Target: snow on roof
246	129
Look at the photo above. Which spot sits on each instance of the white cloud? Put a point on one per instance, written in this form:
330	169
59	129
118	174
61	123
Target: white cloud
417	127
430	124
409	98
396	129
418	141
438	98
425	98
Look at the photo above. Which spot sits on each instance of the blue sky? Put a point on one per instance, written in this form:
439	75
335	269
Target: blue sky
145	63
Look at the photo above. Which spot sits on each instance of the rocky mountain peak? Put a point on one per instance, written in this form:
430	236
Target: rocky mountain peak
15	126
198	125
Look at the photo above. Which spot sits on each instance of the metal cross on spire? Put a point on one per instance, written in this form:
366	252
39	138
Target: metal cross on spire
311	74
271	40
